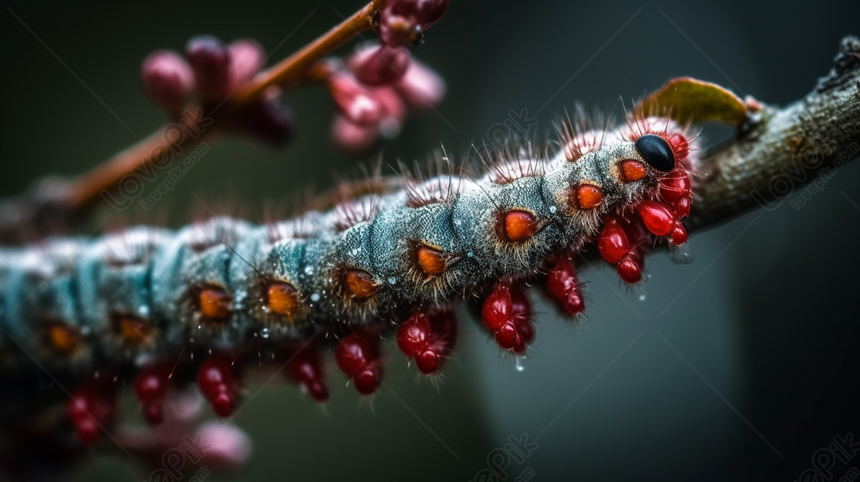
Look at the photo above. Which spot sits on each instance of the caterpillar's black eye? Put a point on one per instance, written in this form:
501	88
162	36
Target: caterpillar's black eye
656	152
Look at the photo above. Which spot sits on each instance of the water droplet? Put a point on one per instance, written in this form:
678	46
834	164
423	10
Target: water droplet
520	365
553	209
682	254
309	270
639	291
470	254
392	280
315	297
264	332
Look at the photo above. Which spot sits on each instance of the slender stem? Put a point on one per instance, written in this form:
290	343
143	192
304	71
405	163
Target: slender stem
295	66
85	191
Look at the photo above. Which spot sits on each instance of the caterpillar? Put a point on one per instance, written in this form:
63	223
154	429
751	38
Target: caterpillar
401	448
403	258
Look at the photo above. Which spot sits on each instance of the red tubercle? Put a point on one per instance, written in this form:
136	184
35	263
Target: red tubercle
563	284
357	356
218	384
506	312
657	217
306	370
680	145
629	269
497	310
428	336
674	185
413	335
523	317
92	406
631	264
613	243
150	389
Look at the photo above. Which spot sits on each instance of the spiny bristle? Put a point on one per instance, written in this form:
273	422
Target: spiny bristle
510	171
350	213
434	182
582	133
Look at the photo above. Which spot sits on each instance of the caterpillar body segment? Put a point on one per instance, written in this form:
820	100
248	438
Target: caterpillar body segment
140	297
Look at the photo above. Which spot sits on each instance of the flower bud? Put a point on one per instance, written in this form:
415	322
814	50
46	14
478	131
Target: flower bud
355	102
353	140
167	80
379	64
421	88
210	61
246	59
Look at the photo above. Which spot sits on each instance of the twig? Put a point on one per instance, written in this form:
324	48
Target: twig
56	205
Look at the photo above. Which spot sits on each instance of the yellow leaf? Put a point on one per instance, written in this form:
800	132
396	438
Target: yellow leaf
687	100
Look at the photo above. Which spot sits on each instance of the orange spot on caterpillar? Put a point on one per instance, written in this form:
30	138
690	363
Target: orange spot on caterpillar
360	284
632	171
133	330
588	196
282	298
518	226
214	304
64	339
431	261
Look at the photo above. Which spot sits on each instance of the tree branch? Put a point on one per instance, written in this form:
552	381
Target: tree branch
785	148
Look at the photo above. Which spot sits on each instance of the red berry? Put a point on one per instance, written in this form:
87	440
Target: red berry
613	243
167	80
378	65
657	217
497	310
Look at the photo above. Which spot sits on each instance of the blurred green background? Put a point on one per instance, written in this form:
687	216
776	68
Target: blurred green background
750	350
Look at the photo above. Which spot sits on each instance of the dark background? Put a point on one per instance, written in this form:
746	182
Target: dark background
748	351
